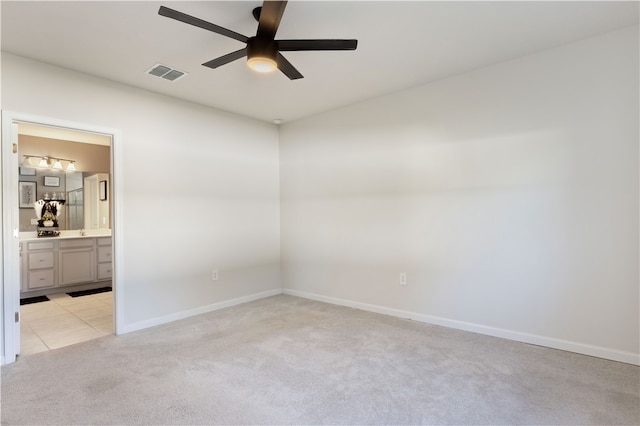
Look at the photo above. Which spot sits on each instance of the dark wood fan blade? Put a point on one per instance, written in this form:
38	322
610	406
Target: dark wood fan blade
197	22
270	17
286	68
215	63
294	45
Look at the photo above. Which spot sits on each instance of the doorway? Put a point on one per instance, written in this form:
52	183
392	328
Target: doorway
69	263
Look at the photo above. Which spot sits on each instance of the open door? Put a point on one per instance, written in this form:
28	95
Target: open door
10	242
11	263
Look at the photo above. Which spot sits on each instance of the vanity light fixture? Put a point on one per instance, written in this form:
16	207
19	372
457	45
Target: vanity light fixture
49	162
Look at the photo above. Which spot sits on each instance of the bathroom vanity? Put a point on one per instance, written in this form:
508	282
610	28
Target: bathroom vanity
64	263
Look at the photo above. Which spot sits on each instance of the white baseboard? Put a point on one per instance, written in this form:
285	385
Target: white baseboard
197	311
565	345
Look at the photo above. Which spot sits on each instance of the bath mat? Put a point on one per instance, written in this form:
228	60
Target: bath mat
30	300
88	292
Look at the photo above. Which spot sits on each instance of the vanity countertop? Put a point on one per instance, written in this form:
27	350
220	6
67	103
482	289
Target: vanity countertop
66	235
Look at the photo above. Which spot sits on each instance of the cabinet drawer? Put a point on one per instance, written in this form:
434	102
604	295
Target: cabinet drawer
79	243
104	241
40	260
104	271
39	279
104	254
40	246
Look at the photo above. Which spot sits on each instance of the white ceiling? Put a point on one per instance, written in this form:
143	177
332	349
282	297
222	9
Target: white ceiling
401	45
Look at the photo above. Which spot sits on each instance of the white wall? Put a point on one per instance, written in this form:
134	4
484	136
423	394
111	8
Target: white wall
509	195
200	189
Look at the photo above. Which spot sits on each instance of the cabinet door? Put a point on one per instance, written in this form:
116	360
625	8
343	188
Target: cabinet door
76	266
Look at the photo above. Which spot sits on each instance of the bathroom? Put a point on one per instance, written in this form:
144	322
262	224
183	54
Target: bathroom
65	263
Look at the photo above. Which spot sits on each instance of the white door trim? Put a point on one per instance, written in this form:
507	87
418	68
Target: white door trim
10	250
9	269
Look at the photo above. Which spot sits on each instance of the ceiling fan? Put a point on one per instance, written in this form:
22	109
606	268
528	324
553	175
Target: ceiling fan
262	50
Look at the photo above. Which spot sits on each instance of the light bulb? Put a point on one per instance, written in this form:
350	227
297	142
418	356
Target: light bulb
57	165
43	162
261	64
71	167
27	161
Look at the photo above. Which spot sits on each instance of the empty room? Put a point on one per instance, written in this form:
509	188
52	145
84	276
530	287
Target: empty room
320	212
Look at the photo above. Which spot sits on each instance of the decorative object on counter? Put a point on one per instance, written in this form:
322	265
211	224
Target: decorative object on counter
47	211
49	162
26	194
37	206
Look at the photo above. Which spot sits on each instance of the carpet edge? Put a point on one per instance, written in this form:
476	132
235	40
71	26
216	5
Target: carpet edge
549	342
140	325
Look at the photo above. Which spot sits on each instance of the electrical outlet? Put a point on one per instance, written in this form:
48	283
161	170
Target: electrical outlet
214	275
403	278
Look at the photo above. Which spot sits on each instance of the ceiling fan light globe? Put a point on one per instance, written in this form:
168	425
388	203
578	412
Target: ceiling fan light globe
262	64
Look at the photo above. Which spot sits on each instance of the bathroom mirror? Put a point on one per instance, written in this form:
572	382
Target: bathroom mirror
45	154
83	208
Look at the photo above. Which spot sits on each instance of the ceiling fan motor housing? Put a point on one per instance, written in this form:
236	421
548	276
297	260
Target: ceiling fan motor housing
261	48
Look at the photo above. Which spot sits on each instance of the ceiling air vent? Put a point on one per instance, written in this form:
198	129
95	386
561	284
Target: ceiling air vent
166	72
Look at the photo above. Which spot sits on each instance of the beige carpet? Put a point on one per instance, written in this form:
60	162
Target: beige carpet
286	360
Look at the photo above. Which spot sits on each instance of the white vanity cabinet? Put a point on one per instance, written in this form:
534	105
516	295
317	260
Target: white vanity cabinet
38	265
76	261
47	265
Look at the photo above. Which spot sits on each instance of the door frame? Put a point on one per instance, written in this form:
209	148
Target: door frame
10	266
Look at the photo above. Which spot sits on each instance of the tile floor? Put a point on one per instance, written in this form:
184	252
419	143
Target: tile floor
64	320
